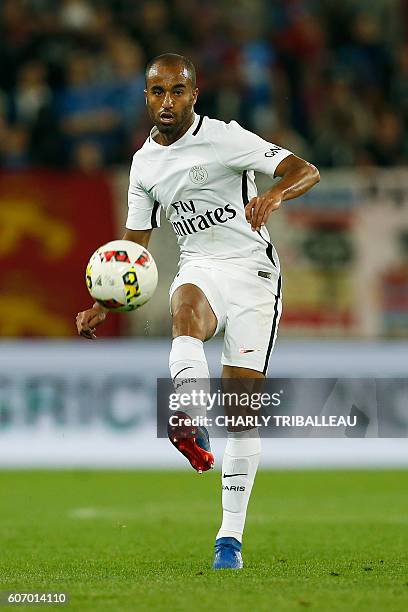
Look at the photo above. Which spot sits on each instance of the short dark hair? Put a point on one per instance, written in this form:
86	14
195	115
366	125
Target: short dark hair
173	59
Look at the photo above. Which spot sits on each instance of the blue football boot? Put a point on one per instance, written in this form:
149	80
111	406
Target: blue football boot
228	554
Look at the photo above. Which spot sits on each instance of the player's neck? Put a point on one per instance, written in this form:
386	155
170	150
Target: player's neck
167	138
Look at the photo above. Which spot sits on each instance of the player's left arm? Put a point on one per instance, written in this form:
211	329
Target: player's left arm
297	177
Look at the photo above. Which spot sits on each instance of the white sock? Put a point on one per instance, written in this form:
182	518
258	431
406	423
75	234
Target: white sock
241	456
189	370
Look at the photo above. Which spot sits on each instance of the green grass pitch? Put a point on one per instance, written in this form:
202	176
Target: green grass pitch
324	541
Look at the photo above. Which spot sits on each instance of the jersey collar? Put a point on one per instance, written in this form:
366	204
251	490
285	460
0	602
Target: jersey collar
190	131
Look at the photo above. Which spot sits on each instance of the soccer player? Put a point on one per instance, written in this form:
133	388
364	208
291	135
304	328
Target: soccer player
200	171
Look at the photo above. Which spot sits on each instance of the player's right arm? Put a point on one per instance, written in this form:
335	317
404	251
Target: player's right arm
143	214
139	236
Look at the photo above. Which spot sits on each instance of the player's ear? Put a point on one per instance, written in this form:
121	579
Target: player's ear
145	94
195	95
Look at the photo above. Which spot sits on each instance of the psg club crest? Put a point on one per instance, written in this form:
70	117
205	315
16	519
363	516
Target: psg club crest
198	175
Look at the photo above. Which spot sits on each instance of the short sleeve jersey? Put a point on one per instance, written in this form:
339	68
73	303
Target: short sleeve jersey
203	182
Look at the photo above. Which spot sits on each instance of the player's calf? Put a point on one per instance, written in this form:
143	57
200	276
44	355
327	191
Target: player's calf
189	373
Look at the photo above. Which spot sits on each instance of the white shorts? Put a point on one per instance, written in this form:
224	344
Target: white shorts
246	309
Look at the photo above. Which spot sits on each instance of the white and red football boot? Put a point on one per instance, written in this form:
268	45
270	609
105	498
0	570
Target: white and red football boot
192	441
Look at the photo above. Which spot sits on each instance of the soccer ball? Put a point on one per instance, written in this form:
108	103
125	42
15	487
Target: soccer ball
121	275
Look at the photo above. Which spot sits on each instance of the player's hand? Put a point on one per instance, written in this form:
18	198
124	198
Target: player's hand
88	320
258	209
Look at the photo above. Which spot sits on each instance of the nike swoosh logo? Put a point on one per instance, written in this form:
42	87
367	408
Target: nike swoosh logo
242	350
229	475
182	370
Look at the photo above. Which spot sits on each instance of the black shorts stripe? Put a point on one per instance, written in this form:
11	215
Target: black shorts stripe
244	188
274	324
153	218
198	126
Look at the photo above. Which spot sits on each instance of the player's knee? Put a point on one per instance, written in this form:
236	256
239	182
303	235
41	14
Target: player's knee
187	322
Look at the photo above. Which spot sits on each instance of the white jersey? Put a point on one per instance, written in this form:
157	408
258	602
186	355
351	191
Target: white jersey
203	182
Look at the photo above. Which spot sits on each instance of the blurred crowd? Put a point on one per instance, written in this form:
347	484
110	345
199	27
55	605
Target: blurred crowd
327	79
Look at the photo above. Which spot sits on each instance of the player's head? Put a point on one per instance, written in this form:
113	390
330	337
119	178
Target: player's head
171	91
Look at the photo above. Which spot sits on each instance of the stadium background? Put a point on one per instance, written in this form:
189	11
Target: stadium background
328	80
